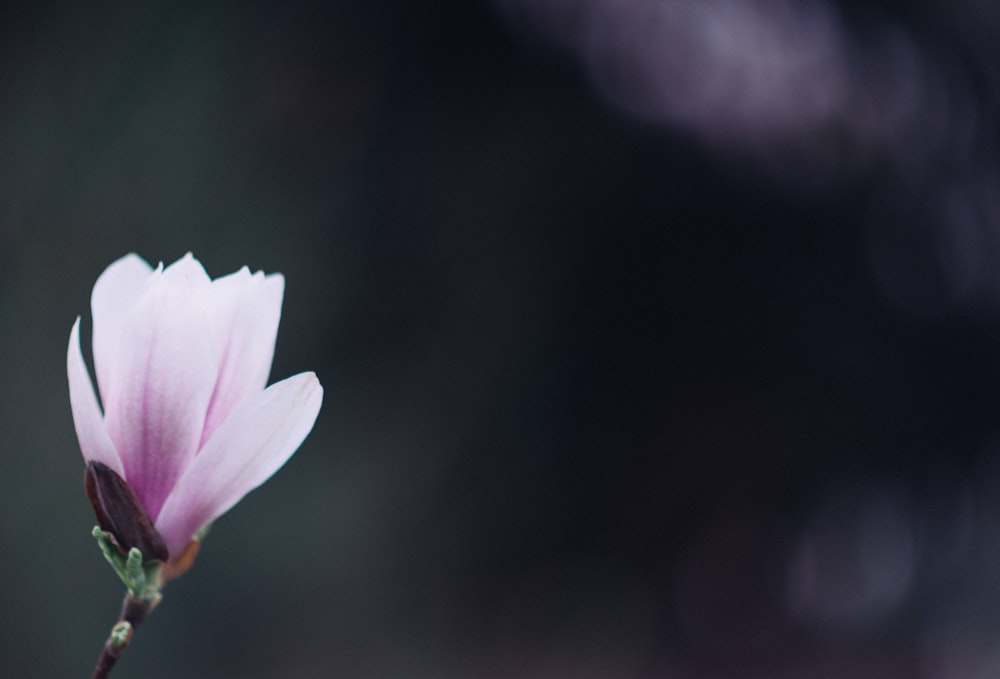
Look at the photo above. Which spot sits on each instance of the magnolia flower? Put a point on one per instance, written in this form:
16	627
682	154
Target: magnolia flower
181	363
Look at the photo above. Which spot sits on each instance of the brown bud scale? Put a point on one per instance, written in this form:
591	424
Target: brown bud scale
120	513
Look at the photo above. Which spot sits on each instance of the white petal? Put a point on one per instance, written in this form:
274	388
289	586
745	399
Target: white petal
95	444
190	272
115	292
244	452
244	311
160	388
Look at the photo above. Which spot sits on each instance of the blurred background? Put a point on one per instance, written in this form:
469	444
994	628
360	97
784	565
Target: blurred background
660	338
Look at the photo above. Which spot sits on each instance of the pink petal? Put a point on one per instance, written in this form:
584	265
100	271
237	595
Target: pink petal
160	386
244	452
95	444
115	292
244	311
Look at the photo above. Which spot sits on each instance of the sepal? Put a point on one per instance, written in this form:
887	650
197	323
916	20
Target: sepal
142	578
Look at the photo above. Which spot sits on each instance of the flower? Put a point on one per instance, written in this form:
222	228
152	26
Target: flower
181	363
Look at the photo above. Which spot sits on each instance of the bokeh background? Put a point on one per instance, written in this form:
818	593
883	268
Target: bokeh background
660	338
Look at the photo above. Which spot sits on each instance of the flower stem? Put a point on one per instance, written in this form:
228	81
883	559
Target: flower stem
134	611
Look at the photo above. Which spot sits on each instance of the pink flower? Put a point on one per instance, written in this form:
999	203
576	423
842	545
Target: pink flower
181	363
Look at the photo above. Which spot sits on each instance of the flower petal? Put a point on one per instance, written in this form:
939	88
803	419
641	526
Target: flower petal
191	272
160	387
95	444
244	311
117	289
244	452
